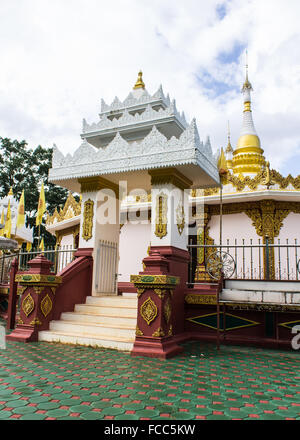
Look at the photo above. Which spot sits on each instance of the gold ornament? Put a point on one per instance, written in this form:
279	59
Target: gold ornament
46	305
167	310
28	305
88	216
180	218
159	333
138	332
148	311
161	215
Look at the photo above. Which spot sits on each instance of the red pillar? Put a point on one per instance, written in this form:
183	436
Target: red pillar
38	296
155	287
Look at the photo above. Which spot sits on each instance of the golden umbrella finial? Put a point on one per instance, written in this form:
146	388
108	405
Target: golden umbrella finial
140	83
10	192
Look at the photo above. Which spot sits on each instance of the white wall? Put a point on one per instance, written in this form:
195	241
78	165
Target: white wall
134	242
239	227
290	231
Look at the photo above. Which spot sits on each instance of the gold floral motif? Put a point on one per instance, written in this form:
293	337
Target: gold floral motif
148	311
161	215
160	292
88	216
39	289
159	333
36	321
20	321
28	305
180	217
140	292
46	305
167	310
170	332
200	299
138	332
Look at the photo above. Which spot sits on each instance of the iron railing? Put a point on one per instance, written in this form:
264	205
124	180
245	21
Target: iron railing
59	258
260	261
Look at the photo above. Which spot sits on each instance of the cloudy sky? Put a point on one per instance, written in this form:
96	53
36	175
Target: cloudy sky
60	57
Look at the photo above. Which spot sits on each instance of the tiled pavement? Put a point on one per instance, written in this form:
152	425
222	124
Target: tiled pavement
41	381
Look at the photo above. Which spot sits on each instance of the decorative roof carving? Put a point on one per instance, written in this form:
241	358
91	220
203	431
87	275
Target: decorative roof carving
149	114
70	210
263	178
132	101
154	151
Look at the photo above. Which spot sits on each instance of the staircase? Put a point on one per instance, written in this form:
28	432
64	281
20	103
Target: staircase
103	321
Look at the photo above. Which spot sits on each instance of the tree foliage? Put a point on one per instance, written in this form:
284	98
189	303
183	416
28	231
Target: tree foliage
25	168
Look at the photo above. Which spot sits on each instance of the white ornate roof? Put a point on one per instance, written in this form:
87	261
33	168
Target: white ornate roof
120	156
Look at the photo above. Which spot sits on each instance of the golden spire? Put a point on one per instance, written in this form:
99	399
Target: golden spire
140	83
229	148
247	84
248	156
10	192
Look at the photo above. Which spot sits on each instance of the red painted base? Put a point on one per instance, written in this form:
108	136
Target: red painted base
156	348
23	333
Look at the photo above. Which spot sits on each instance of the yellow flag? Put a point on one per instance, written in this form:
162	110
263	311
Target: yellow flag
41	246
41	206
7	227
2	223
28	246
21	212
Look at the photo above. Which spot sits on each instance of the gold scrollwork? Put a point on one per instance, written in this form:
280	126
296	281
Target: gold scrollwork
161	215
201	299
140	292
148	310
180	217
28	305
36	321
160	292
46	305
167	310
138	332
88	216
159	333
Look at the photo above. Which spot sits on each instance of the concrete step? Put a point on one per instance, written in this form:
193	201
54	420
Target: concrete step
127	312
112	301
92	328
104	319
87	340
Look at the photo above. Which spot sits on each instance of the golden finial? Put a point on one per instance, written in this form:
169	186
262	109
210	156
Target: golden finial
140	83
229	148
247	84
10	192
268	181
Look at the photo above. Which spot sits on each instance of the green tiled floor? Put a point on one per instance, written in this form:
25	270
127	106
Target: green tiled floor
41	381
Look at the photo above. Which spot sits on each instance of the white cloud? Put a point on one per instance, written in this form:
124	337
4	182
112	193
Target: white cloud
60	57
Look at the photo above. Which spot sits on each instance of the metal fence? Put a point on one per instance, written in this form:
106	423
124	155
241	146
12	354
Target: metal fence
252	261
59	258
106	267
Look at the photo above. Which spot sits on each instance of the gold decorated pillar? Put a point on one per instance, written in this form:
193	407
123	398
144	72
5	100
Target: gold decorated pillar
203	238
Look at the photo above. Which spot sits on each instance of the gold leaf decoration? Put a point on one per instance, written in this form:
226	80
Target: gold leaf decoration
28	305
88	216
159	333
161	215
46	305
148	311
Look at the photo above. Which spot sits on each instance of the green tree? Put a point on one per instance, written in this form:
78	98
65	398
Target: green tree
25	168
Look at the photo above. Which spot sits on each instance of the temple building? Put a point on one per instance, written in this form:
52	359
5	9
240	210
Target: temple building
258	204
164	234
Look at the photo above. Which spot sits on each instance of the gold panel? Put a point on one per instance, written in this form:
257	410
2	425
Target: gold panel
88	216
161	215
159	333
28	305
46	305
148	311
